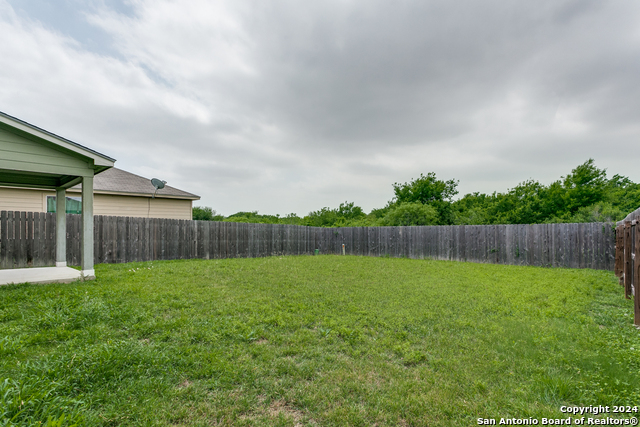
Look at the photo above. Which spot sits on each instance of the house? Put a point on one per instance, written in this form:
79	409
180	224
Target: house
115	192
31	157
43	172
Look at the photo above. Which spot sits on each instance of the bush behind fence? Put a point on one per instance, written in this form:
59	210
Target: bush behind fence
28	239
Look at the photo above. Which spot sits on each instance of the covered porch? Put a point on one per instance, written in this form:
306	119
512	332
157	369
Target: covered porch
34	158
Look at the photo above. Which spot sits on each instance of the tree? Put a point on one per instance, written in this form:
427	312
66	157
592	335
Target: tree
324	217
411	214
520	205
425	189
348	210
623	193
429	190
472	209
583	195
599	212
584	186
327	217
205	213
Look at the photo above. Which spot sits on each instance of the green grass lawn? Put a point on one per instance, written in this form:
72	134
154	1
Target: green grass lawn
324	340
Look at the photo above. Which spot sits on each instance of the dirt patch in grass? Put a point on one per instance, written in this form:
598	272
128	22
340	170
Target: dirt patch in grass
280	407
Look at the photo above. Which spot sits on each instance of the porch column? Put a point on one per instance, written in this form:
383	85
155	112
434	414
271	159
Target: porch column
87	228
61	227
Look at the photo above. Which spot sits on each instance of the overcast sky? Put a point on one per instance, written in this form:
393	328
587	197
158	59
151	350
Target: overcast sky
290	106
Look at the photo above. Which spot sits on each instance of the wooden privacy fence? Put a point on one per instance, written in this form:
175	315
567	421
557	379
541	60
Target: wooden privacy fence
28	239
627	264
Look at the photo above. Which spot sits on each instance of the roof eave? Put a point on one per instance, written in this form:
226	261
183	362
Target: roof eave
100	161
150	195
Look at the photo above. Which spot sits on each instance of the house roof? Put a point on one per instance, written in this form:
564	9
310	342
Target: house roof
107	179
117	181
98	158
35	158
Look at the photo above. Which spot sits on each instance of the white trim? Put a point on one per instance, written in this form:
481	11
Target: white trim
61	263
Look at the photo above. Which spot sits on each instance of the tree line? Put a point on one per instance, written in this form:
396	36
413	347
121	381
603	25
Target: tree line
584	195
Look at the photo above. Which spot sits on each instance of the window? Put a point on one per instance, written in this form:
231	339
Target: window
73	204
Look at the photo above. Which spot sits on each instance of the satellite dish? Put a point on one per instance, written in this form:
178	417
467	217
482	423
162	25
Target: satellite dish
158	184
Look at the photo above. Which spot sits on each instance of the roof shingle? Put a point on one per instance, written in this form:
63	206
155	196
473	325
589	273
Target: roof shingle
116	180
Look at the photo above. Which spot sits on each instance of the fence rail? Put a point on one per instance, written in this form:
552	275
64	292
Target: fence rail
28	239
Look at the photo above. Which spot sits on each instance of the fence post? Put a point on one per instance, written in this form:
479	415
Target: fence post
619	264
636	275
627	259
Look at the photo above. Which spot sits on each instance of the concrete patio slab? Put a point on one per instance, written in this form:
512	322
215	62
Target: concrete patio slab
40	275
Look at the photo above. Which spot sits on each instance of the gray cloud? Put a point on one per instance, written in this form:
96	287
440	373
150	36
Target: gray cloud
291	106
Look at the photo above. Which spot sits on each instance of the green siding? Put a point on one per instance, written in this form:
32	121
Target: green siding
19	153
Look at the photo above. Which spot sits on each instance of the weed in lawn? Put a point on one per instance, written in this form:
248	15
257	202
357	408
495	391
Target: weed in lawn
33	400
9	345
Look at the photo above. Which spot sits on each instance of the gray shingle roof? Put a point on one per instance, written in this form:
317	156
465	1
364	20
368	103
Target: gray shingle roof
116	180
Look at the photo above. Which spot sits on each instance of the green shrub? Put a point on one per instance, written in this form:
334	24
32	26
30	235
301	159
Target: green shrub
205	213
411	214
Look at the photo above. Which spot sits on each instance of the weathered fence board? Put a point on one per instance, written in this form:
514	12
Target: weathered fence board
627	258
29	240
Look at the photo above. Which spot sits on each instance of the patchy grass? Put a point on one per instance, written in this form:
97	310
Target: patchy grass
325	340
